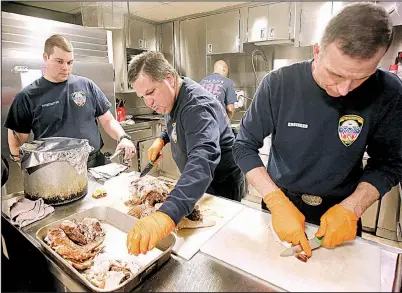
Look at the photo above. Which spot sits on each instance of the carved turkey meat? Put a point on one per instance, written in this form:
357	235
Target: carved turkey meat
148	193
78	243
148	190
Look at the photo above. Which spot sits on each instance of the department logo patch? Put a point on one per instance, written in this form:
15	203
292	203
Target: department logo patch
174	133
79	98
349	128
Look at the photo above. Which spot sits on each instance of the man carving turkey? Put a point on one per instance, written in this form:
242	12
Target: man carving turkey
322	115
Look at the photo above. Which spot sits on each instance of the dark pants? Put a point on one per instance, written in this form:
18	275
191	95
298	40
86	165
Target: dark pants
230	186
96	159
313	213
235	132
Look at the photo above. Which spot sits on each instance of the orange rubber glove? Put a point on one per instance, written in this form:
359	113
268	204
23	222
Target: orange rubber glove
147	232
155	148
287	220
337	225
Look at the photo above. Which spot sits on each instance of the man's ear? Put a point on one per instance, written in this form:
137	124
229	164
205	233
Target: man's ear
316	50
170	79
45	57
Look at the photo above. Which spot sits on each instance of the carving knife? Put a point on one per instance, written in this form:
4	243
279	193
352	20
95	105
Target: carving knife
314	244
149	167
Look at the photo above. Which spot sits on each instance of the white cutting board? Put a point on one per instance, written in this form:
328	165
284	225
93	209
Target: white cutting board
188	241
247	243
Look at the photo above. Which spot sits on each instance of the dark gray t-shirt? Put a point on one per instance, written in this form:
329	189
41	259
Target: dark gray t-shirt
65	109
318	141
221	87
201	141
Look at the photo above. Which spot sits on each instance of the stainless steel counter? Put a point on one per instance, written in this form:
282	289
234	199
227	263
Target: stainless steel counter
201	273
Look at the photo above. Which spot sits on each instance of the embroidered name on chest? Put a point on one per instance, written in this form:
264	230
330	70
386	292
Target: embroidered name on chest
50	104
298	125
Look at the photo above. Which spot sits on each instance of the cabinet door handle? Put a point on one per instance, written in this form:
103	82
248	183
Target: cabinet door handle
271	33
209	48
141	43
146	44
262	35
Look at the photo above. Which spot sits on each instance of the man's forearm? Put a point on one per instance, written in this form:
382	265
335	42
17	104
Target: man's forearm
261	181
230	110
361	199
113	129
14	144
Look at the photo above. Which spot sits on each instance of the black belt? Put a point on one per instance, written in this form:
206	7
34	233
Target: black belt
313	200
94	155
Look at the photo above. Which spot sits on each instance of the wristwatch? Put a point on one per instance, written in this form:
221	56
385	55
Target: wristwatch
124	136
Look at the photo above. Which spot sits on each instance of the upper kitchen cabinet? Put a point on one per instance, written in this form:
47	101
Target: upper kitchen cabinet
166	41
140	35
314	17
338	5
223	33
257	23
272	22
192	48
149	36
395	8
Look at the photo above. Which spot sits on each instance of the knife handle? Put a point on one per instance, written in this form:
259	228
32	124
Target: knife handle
319	240
157	157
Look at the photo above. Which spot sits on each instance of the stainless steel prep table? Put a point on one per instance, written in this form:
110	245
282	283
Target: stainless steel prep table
201	273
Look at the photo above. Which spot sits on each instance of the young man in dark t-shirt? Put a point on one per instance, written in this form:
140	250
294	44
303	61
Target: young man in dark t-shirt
322	115
60	104
221	86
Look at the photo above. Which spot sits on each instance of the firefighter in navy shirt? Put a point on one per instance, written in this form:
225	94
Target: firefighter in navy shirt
323	114
201	141
221	86
64	105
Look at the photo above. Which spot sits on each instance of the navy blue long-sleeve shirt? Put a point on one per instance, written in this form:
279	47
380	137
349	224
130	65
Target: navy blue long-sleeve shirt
318	141
201	141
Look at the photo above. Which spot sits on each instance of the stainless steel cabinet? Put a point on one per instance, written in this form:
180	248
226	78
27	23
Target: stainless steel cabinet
271	22
281	21
143	150
140	35
396	15
223	33
149	36
168	166
257	23
388	217
314	18
134	33
338	5
193	48
166	41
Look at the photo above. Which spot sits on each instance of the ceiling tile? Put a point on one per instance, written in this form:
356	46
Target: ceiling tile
141	6
162	13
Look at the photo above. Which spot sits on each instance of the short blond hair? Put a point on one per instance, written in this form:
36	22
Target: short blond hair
58	41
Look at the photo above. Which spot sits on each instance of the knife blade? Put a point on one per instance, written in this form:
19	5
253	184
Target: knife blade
149	167
314	244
